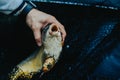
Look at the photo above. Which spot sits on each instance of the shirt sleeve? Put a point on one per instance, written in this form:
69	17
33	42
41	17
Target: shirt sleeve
8	6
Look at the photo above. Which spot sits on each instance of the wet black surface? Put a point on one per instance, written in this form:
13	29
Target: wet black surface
92	35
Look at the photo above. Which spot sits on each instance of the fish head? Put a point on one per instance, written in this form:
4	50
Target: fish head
51	31
52	43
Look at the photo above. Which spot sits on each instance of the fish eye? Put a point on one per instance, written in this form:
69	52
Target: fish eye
45	28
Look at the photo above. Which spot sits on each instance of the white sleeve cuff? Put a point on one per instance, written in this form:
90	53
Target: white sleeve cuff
8	6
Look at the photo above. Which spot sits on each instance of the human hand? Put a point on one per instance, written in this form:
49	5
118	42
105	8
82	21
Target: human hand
37	20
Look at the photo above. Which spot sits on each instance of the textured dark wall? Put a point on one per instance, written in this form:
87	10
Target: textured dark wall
92	36
111	4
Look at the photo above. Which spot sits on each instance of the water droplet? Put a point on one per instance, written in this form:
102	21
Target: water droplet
70	68
68	46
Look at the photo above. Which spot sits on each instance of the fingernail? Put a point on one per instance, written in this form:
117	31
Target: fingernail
62	39
39	44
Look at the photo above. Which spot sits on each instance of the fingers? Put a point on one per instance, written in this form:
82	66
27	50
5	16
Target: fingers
37	35
63	33
62	29
37	20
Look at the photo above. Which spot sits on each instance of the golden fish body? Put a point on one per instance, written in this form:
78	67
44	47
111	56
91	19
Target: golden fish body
43	59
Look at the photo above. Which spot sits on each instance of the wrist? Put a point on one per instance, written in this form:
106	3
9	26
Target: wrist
27	9
24	9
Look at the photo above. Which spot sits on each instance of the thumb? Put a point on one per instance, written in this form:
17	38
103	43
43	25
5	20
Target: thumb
37	35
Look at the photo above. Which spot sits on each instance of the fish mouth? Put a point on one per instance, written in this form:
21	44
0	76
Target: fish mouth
54	30
51	30
51	27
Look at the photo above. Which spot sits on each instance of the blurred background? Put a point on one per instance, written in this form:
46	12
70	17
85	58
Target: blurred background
92	46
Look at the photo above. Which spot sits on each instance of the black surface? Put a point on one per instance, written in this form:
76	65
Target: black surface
92	34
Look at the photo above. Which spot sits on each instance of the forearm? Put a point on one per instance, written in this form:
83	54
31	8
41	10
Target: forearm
8	6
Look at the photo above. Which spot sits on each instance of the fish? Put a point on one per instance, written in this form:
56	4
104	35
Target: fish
43	59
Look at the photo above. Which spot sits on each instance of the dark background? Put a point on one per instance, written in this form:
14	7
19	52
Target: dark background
91	49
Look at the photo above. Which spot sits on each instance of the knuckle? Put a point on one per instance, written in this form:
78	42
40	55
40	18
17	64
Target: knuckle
52	17
37	38
62	26
34	28
65	34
